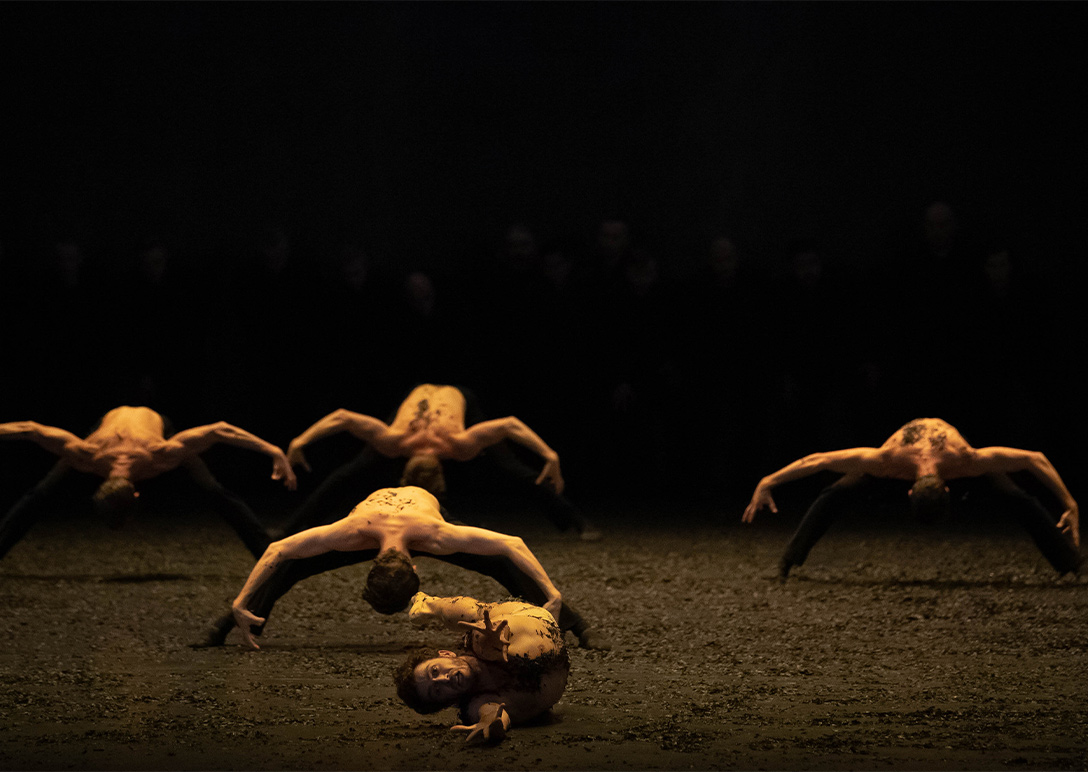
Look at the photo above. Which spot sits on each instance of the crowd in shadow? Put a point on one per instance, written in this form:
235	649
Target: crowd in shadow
650	371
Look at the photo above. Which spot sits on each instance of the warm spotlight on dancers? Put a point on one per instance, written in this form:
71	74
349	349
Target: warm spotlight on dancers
390	527
512	666
927	452
429	428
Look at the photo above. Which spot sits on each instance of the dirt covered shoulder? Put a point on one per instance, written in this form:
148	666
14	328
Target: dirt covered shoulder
890	649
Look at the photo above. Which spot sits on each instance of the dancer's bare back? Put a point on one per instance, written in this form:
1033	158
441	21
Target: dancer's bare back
430	422
926	446
428	418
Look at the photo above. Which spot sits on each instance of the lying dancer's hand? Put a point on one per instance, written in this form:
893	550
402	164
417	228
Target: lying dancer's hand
490	728
488	641
244	618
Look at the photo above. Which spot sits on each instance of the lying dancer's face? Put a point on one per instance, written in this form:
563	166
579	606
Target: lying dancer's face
444	678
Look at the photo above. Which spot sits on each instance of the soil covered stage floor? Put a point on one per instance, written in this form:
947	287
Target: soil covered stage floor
953	648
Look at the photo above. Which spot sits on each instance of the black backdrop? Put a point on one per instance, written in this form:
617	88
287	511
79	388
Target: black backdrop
414	134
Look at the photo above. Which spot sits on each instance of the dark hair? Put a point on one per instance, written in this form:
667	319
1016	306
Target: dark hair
404	678
929	498
115	500
425	472
391	583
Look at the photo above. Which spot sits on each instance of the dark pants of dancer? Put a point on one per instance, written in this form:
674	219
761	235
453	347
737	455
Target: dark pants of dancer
355	480
499	568
1027	511
18	520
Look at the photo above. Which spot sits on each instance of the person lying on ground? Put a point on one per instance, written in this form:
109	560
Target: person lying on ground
512	665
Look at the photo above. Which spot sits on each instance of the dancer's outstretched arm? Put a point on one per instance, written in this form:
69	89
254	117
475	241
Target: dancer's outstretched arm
343	535
447	539
60	442
848	461
366	428
192	442
476	438
996	459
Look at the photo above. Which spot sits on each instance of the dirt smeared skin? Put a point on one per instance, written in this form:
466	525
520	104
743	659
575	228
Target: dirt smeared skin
889	649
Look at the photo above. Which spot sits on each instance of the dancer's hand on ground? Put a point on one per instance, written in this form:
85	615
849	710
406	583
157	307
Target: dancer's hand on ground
1070	524
486	640
490	727
295	456
281	470
244	618
552	474
760	499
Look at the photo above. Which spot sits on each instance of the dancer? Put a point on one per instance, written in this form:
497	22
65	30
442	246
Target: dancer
130	445
428	428
389	527
927	451
513	666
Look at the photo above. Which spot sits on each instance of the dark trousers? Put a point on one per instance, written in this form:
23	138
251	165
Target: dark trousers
18	520
229	506
499	568
358	478
1027	511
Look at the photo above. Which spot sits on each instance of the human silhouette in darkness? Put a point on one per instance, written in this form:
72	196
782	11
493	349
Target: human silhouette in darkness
1002	317
720	320
805	352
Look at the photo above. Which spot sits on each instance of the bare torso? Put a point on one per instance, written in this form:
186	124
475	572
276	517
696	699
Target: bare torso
128	438
926	446
399	518
428	417
535	676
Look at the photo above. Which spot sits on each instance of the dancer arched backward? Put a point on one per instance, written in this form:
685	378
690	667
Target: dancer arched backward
927	451
429	427
130	445
389	527
512	668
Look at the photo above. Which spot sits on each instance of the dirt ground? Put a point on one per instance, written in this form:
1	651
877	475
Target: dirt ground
954	648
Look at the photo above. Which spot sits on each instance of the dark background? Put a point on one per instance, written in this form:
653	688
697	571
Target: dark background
297	168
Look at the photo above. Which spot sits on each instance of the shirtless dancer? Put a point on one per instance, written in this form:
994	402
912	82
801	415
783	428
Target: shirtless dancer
513	666
430	427
927	451
389	527
128	446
